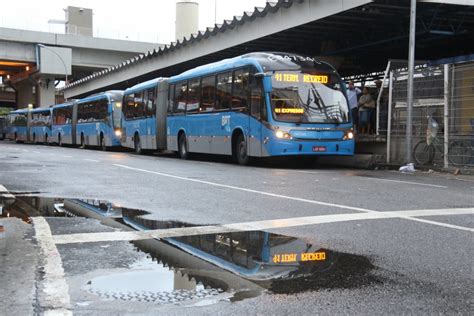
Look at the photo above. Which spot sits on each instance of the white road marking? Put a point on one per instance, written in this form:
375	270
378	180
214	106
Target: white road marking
67	156
406	182
37	152
25	150
274	194
55	291
93	160
249	190
261	225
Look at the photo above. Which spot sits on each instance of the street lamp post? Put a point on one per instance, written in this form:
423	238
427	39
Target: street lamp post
61	59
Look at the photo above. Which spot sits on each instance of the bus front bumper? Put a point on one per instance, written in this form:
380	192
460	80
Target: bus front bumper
296	147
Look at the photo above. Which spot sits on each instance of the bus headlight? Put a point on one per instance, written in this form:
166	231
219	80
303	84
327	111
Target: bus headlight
349	135
285	135
118	133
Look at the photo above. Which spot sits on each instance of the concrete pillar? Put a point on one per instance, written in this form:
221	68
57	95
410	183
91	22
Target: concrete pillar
45	92
25	94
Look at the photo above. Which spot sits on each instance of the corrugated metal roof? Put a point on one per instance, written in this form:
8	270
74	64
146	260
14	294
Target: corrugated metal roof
259	12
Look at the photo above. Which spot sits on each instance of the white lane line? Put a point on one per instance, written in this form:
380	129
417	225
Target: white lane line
406	182
36	152
25	150
93	160
261	225
55	297
67	156
250	190
273	194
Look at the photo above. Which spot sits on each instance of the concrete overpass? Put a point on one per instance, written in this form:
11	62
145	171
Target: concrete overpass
26	67
359	36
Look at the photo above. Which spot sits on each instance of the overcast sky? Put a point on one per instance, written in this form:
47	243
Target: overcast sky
146	20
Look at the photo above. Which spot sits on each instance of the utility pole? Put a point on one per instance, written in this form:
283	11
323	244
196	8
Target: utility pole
411	70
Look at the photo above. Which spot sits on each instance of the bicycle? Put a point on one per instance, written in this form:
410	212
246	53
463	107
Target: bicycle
459	151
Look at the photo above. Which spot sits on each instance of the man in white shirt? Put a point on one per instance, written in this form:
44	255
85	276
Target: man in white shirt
352	93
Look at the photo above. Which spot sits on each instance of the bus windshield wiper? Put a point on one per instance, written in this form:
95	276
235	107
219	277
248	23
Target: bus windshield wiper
321	105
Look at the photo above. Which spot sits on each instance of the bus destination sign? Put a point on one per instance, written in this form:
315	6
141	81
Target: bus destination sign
305	78
293	257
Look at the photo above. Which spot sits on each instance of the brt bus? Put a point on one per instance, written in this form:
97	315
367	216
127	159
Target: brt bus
39	125
17	125
255	105
92	121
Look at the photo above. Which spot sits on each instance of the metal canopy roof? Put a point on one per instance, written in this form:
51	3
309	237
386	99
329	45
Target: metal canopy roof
357	40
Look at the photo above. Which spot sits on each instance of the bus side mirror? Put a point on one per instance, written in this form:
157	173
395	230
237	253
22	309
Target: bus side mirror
259	75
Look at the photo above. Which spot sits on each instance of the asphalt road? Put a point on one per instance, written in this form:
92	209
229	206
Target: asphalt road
420	261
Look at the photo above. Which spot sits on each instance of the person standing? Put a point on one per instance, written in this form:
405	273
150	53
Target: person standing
352	94
366	111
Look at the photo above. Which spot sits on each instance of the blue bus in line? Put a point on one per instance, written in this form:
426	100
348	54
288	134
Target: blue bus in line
255	105
40	121
91	121
17	125
99	120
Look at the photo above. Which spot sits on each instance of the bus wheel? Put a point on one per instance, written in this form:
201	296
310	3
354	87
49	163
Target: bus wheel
138	144
240	150
183	147
45	139
60	141
16	138
103	146
83	142
34	139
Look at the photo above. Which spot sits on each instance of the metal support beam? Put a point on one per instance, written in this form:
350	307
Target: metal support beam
446	115
411	70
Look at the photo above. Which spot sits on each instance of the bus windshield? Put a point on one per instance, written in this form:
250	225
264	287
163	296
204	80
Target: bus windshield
299	97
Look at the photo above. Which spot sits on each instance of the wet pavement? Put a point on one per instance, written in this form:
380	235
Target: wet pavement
228	266
322	244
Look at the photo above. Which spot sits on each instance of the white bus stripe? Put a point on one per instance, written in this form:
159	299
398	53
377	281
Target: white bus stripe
55	289
263	225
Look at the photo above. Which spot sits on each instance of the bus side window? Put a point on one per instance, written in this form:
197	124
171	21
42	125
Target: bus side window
208	92
194	92
224	91
241	92
128	105
257	109
139	105
151	102
181	97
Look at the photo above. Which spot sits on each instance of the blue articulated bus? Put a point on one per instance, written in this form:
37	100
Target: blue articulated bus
17	125
92	121
40	121
98	121
255	105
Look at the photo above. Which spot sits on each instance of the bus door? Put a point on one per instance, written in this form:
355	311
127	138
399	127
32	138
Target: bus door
257	115
149	99
161	114
74	124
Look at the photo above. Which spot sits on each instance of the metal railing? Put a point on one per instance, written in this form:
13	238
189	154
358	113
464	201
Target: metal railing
443	116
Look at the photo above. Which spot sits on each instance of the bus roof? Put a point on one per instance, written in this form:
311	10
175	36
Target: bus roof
41	110
263	61
111	95
62	105
144	85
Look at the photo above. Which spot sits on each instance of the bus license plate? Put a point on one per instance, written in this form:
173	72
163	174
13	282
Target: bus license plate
319	148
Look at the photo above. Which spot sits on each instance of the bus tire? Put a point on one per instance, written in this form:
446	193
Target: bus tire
60	141
137	144
239	151
183	150
34	138
83	142
103	145
46	139
16	138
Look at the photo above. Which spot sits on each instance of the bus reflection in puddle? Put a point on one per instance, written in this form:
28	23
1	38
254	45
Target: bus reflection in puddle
250	261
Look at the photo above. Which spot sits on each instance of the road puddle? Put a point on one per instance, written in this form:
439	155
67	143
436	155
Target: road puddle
227	266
